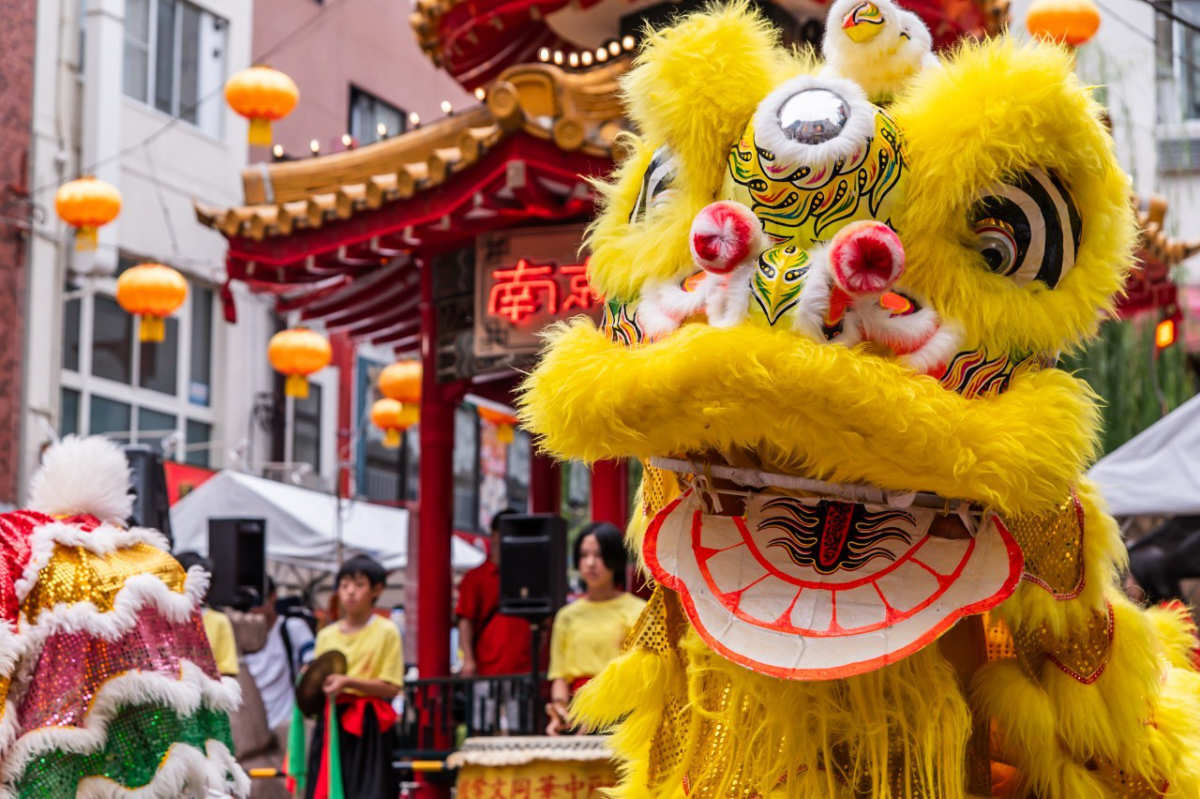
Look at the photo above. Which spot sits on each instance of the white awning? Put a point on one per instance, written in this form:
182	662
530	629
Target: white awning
1158	470
301	524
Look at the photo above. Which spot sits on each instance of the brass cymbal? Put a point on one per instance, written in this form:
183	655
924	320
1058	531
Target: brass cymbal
310	695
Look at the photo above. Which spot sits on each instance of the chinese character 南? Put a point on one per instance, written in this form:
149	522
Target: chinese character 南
523	291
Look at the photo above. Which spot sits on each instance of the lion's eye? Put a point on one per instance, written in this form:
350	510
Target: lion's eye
656	183
997	244
1028	228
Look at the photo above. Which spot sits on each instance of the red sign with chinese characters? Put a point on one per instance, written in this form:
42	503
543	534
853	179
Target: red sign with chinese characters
524	280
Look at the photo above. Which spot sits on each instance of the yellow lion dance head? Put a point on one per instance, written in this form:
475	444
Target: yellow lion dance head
835	296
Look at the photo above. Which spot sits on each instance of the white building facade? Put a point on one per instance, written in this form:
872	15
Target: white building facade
1146	70
131	91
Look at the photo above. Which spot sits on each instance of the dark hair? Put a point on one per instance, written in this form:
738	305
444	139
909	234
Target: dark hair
271	587
362	566
612	548
189	559
494	525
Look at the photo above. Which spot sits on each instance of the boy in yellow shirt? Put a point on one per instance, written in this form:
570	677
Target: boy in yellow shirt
374	675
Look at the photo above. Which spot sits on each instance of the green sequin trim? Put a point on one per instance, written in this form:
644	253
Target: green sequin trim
138	739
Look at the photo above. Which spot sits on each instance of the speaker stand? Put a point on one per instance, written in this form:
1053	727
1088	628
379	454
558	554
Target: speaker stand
535	693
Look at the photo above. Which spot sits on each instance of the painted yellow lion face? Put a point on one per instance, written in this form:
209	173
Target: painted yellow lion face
835	293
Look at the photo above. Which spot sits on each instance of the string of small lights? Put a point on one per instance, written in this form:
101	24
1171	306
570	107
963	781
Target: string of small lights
576	59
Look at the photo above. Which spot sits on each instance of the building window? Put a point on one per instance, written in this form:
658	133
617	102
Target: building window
175	60
158	361
372	119
518	471
70	339
1177	61
197	445
68	412
306	429
111	417
112	340
466	468
383	475
136	392
200	382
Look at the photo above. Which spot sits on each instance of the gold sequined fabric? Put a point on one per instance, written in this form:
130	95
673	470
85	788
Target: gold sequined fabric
1125	785
1082	655
658	488
661	624
1052	544
1000	644
75	574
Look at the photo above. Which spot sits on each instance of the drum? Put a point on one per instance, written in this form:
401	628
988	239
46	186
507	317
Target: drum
534	767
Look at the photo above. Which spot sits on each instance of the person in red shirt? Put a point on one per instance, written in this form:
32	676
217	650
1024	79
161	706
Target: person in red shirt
491	643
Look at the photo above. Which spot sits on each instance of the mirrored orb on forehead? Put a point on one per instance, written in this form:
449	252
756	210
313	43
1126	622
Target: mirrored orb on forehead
813	116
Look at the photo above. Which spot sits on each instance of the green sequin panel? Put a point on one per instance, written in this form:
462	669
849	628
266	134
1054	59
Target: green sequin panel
138	739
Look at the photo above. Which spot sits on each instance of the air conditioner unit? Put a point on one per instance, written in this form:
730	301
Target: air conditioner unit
1179	155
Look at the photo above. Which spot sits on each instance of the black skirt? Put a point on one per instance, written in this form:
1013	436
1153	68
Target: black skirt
366	762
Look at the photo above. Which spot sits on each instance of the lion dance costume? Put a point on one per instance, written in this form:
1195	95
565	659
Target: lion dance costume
107	683
834	297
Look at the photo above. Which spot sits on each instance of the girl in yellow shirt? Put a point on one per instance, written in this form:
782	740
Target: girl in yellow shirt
588	633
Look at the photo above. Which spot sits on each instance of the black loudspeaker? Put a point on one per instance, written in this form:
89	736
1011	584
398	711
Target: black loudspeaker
238	551
151	506
533	565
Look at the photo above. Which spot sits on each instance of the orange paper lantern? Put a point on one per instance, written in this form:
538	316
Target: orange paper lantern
151	292
1072	22
401	381
393	418
262	95
87	204
298	353
505	422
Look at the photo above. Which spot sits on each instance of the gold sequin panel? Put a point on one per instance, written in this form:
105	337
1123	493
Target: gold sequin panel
74	574
658	488
1053	547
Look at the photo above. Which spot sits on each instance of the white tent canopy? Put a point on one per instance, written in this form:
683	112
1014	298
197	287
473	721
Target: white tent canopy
301	524
1157	471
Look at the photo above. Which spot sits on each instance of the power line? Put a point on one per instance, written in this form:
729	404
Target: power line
283	42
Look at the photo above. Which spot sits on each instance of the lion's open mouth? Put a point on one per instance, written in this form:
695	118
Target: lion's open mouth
808	580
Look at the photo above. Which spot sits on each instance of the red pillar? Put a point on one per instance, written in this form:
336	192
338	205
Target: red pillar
610	493
343	360
434	528
436	498
545	484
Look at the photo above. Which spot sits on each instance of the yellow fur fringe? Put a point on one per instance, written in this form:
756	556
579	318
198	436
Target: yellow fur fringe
828	411
781	733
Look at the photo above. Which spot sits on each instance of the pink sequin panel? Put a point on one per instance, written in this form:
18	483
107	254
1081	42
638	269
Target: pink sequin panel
16	530
73	667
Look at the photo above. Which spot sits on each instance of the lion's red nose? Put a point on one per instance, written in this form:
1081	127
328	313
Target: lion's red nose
724	235
866	258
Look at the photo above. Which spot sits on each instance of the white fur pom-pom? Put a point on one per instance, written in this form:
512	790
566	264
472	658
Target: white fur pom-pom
83	476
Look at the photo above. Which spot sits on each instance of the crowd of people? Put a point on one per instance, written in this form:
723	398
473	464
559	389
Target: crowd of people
585	635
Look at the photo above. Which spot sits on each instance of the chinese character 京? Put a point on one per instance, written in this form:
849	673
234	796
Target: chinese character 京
580	295
522	291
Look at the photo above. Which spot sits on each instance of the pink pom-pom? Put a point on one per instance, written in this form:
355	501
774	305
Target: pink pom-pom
724	235
866	258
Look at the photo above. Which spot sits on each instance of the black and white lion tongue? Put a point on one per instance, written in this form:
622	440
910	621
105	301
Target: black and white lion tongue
816	589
